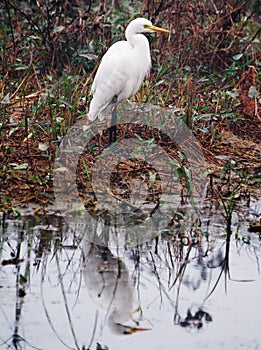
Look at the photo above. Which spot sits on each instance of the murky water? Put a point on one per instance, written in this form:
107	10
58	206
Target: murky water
199	290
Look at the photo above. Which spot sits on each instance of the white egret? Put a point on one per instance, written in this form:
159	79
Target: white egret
122	70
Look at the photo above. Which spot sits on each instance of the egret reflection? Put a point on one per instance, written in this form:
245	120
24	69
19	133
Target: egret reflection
111	288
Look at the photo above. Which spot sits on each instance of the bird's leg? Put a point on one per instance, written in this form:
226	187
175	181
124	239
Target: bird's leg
113	128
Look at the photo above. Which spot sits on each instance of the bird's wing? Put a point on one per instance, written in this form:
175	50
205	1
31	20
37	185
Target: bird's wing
112	69
116	76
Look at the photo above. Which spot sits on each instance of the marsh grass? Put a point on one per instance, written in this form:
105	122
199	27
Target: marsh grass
204	71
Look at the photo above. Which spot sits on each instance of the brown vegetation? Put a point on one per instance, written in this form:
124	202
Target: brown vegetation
209	68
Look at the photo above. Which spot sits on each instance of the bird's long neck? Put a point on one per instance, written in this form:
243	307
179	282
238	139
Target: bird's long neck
141	47
134	38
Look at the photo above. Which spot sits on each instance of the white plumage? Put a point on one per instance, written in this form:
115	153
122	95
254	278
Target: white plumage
123	68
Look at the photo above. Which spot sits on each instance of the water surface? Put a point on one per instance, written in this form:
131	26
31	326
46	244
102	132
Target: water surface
199	290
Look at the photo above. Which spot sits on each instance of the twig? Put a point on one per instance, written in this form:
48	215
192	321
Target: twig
251	40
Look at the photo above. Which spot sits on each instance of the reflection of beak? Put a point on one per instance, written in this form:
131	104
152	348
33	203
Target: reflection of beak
158	29
128	330
136	330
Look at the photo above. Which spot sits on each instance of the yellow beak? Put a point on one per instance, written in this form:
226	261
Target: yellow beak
133	330
136	330
158	29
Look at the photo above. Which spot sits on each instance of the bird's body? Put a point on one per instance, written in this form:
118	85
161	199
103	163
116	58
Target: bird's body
122	69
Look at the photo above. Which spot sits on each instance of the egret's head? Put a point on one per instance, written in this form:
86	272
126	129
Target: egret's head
117	323
143	25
